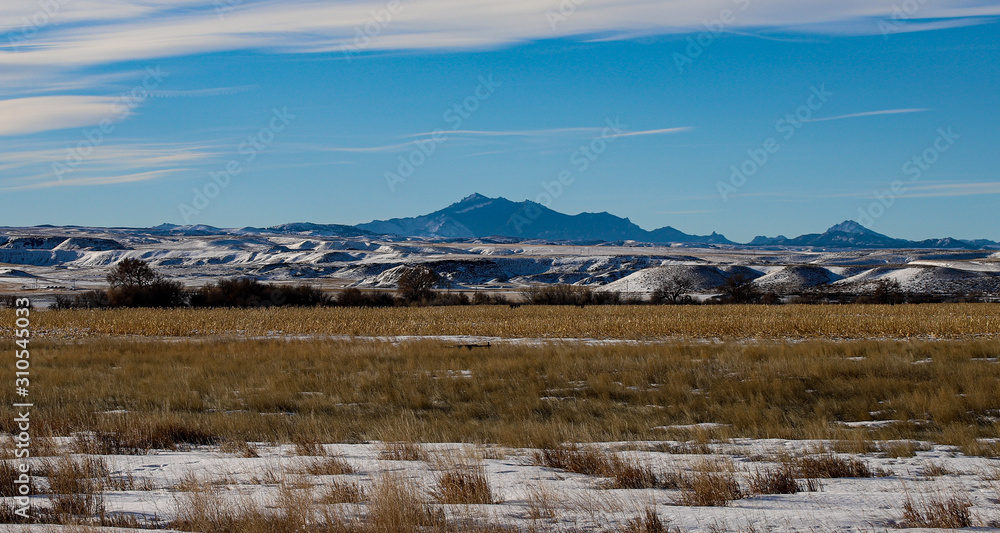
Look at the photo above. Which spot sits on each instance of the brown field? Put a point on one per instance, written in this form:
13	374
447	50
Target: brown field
874	383
138	394
929	321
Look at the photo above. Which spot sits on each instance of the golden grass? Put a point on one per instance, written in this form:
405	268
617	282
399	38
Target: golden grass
951	511
343	492
624	472
310	391
328	466
649	522
954	321
464	484
398	505
774	481
401	451
710	489
829	466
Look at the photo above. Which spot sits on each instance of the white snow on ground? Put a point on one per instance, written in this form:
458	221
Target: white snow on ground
582	502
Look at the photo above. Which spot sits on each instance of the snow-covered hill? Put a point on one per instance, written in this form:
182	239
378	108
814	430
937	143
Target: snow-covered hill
81	257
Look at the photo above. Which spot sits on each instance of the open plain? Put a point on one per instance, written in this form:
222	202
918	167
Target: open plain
491	418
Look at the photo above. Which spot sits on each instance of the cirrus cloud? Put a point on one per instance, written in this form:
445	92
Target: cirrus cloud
95	32
22	116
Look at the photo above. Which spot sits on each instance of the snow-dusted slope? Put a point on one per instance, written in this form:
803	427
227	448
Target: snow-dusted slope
64	257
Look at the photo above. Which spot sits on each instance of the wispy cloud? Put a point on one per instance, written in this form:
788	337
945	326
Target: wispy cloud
95	32
398	147
196	93
869	114
472	135
652	132
23	116
511	133
96	180
104	165
938	190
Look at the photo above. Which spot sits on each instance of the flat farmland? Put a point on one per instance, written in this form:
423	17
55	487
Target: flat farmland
931	321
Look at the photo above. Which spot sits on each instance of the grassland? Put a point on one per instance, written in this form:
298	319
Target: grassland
609	434
943	321
140	393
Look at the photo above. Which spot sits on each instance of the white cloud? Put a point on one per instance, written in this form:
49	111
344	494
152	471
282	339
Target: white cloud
869	114
23	116
109	31
96	180
102	165
939	190
653	132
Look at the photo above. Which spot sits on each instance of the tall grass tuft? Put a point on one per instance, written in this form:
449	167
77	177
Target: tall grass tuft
950	511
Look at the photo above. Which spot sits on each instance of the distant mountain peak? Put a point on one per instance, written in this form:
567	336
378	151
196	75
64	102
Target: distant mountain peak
850	226
479	216
474	197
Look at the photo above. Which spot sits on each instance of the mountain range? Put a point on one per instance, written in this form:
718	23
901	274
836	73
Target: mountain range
481	217
478	216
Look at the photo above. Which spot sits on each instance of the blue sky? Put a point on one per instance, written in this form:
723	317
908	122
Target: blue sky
128	113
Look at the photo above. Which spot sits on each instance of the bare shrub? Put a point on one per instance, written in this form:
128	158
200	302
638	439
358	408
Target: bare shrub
249	292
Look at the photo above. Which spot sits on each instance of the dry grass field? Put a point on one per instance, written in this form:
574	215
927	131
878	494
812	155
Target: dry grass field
140	393
943	321
296	420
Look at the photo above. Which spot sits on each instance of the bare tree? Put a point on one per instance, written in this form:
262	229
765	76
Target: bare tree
674	290
416	284
133	273
887	292
135	284
739	289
